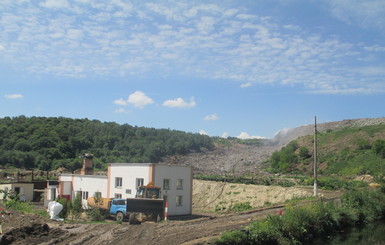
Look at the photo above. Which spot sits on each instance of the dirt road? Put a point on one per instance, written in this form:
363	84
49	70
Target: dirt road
193	229
200	228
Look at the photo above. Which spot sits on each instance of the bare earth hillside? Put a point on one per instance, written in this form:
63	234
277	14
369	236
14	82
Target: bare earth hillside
246	159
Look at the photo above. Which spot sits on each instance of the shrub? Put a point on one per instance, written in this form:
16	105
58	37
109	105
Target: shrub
301	224
75	207
232	237
268	231
95	214
241	206
66	207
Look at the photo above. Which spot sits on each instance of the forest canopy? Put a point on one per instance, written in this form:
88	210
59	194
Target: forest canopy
48	143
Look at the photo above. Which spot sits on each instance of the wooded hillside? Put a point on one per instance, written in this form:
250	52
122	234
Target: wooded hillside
50	143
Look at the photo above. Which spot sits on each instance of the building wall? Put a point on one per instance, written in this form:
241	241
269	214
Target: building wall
179	199
88	185
129	172
183	193
3	187
26	190
157	173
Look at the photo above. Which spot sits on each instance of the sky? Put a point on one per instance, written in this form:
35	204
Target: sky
239	68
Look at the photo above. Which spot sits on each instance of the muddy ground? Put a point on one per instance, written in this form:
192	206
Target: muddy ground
199	228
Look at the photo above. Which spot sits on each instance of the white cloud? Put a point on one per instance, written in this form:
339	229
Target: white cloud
184	41
212	117
13	96
375	48
121	102
225	135
120	110
367	14
203	132
246	85
138	99
180	103
55	4
245	135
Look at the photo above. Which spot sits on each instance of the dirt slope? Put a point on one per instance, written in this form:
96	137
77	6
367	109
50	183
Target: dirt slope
210	195
244	159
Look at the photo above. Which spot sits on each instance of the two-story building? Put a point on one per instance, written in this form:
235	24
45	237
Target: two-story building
123	179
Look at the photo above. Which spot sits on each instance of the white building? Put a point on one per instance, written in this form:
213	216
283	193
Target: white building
175	182
123	178
71	185
24	190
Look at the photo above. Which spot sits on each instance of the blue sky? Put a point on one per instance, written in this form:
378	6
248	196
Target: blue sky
224	68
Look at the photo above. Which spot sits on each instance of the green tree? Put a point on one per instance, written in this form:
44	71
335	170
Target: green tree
379	148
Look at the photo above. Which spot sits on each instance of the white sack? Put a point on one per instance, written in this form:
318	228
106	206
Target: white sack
54	208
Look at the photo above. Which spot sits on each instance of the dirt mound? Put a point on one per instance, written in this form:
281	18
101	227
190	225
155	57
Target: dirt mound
34	233
21	228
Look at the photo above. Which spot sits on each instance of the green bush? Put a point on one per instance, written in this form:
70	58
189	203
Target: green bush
19	206
241	206
301	224
95	214
66	207
233	237
75	207
268	231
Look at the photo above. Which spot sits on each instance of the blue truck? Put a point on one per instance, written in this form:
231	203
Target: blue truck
147	205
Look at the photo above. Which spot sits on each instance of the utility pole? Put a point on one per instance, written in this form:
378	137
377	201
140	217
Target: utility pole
315	156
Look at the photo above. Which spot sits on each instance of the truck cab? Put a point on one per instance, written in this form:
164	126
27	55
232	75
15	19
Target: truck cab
118	208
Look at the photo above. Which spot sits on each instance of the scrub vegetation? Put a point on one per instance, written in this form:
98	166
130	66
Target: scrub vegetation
301	224
344	152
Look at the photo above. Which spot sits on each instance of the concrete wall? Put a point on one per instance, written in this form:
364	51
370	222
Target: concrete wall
173	173
26	190
88	185
179	199
6	187
129	172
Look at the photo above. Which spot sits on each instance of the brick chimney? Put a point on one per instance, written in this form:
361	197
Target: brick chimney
88	164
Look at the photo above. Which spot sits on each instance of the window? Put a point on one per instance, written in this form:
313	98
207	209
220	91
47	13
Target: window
119	202
118	182
77	194
98	194
178	200
166	184
139	182
17	190
118	196
179	184
165	199
85	195
128	191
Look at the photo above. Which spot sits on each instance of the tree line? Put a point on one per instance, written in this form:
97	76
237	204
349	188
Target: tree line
48	143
